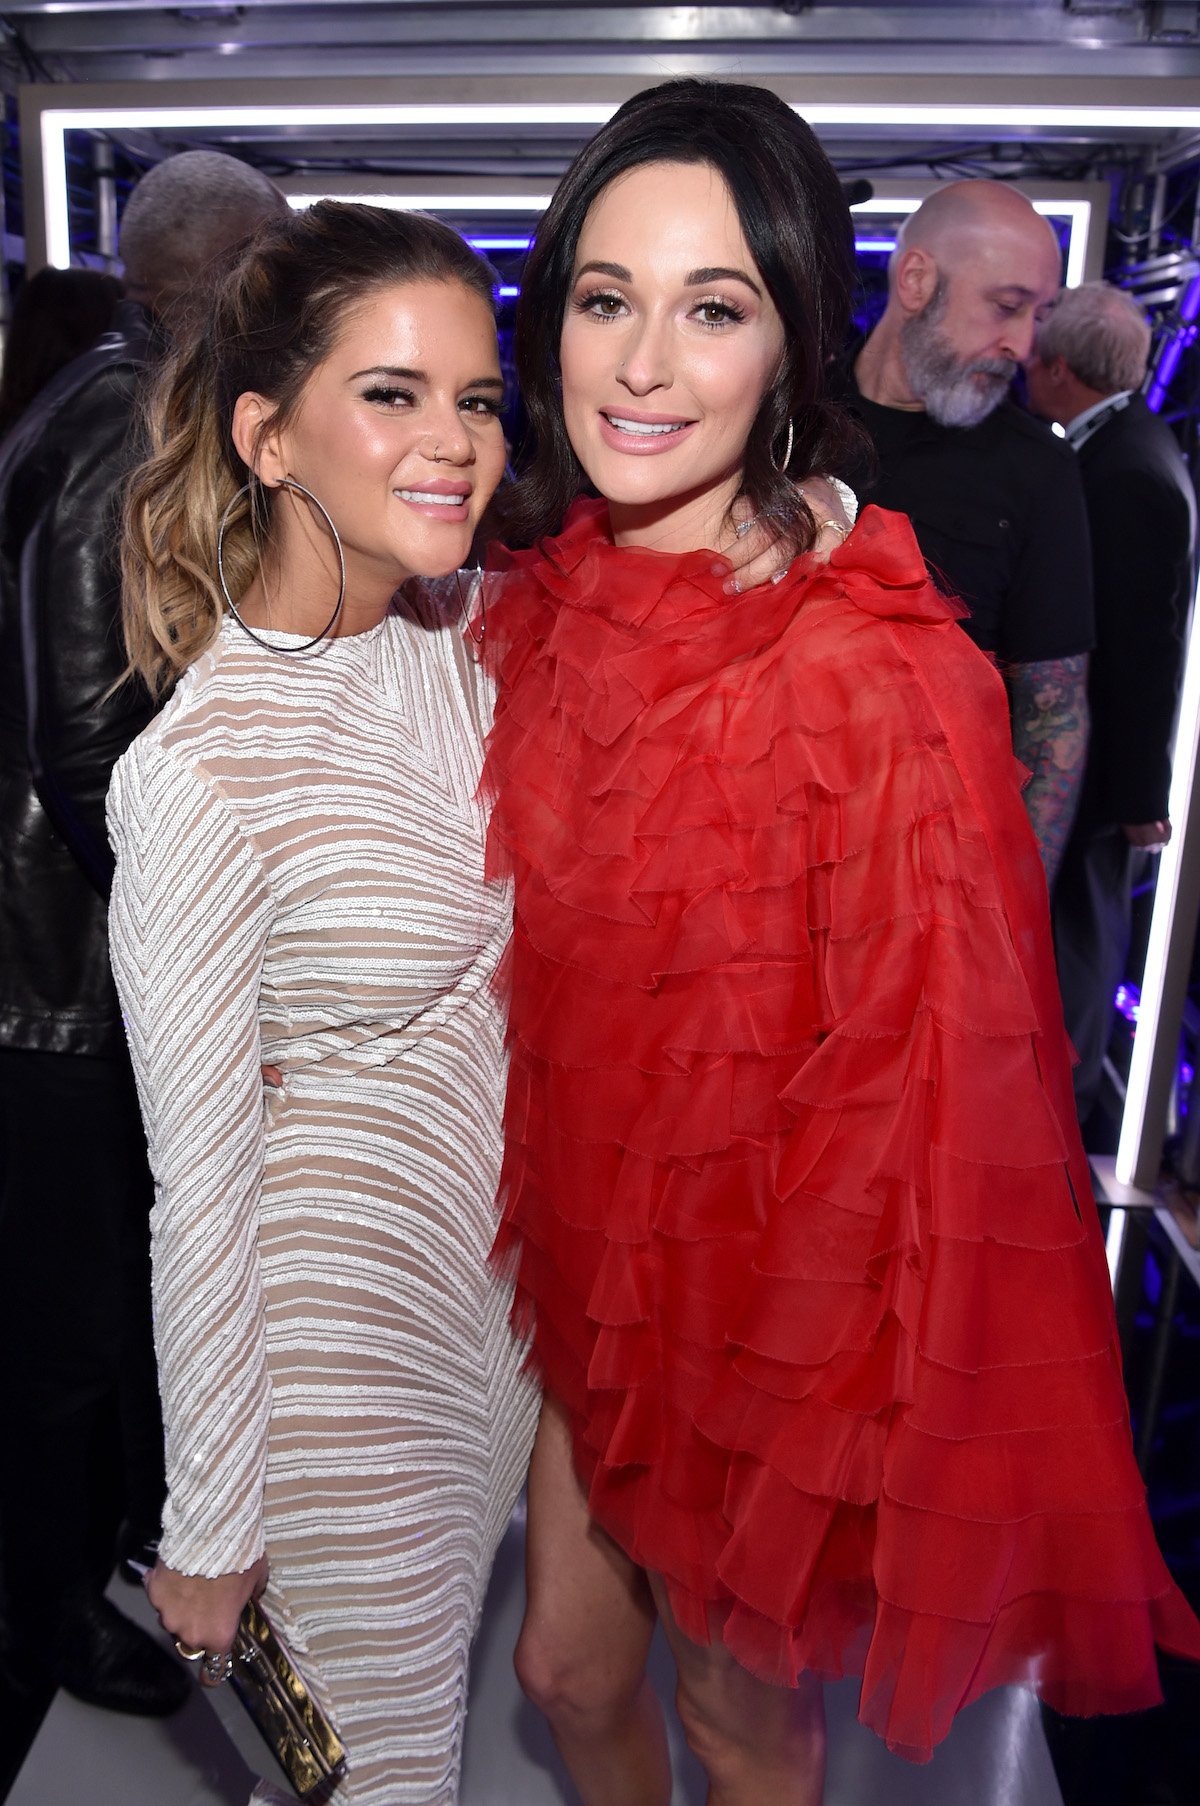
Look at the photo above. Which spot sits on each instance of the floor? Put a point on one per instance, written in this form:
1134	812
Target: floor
995	1756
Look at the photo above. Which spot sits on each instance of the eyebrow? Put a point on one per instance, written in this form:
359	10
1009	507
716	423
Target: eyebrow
693	279
419	376
1014	288
715	273
605	269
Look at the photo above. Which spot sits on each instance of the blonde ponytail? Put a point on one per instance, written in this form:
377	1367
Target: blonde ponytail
172	604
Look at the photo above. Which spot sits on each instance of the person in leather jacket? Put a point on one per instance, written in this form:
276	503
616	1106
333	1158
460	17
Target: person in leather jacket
85	1438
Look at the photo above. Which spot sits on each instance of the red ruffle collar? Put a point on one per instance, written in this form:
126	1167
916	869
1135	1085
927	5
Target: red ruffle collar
879	567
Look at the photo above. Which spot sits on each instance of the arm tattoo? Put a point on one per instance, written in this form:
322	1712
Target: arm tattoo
1050	735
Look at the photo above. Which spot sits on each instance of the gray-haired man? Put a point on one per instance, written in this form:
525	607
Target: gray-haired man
1087	373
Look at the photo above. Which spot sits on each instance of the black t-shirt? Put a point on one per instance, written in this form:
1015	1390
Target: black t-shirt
999	514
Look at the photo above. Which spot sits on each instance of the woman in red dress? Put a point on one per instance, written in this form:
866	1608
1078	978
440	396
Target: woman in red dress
799	1214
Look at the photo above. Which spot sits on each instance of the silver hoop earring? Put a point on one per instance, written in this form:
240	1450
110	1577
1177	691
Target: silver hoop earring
787	455
285	483
466	613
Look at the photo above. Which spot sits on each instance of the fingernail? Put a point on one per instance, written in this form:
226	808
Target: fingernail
720	567
743	527
779	576
733	587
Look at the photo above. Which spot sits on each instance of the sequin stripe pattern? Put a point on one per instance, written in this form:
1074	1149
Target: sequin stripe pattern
409	1490
206	1145
398	1415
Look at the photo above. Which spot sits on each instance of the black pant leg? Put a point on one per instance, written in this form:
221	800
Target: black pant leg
74	1323
1092	905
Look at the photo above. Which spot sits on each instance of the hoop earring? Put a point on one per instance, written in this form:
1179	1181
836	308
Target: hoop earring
286	483
476	638
787	455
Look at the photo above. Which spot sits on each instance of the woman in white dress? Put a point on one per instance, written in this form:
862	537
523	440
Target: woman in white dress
300	882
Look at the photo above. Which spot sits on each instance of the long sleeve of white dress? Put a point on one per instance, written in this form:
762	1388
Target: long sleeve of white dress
190	915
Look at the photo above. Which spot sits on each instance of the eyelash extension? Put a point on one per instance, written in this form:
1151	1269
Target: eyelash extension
729	309
384	392
583	304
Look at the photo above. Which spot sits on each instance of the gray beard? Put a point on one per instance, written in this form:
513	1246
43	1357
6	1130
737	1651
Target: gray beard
951	391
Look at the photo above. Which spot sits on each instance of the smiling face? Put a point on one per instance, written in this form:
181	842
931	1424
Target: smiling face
669	342
398	433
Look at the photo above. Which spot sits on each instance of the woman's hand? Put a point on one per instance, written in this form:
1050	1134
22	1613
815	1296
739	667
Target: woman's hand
757	555
202	1615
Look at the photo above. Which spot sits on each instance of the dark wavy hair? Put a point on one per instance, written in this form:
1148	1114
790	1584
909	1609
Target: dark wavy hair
797	224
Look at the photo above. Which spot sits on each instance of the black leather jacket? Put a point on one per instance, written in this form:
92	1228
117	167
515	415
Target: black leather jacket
62	468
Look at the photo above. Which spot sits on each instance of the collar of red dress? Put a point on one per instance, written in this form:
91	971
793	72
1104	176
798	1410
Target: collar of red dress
878	567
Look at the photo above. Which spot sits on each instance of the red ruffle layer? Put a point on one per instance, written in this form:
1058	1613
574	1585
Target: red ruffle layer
800	1216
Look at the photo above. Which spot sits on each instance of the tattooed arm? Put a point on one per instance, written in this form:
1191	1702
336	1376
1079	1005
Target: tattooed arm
1050	736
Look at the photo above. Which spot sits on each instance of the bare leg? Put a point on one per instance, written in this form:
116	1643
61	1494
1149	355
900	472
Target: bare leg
757	1743
581	1657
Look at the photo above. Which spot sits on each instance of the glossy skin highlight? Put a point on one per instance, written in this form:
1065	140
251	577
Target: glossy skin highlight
668	344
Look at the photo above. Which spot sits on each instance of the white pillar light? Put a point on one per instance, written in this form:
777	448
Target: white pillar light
1172	924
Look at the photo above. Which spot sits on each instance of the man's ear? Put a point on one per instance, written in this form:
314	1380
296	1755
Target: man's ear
1059	370
256	441
914	279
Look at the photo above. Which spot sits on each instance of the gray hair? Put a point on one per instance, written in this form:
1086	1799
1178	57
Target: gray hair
1101	334
186	212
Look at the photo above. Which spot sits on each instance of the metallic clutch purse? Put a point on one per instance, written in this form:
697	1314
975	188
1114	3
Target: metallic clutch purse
298	1733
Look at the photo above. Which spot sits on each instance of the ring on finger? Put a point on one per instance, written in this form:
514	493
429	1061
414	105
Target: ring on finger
217	1666
187	1652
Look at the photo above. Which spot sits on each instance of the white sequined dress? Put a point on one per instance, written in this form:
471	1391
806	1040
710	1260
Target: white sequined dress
300	881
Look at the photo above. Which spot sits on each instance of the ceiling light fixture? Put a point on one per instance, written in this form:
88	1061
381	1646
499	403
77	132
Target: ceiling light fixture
56	121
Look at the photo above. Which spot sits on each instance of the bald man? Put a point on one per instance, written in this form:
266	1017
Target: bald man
994	498
84	1442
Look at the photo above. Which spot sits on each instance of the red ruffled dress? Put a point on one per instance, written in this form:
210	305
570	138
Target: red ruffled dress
799	1213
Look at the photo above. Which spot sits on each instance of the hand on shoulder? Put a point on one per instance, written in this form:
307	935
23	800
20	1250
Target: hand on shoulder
758	555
